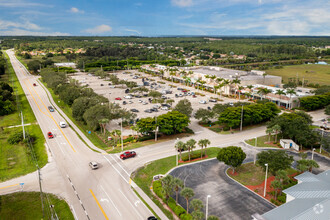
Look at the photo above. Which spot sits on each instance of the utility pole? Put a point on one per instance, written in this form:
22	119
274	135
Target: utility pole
84	66
23	124
241	127
121	135
41	195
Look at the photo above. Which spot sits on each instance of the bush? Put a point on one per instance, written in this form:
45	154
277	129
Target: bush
186	217
194	155
15	137
315	102
179	210
146	137
129	139
171	203
157	187
189	131
282	198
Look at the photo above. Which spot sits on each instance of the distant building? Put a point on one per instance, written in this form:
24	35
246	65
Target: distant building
309	199
73	65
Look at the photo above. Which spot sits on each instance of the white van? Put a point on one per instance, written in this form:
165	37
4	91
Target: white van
62	124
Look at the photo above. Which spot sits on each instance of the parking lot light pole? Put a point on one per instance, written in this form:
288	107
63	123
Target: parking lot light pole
265	179
313	153
176	153
207	205
321	141
121	135
241	127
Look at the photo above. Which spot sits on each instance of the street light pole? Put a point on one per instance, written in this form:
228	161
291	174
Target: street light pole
176	153
313	153
255	144
265	179
321	141
121	135
241	127
207	205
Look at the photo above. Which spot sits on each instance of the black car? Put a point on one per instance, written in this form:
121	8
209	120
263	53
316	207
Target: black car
51	109
154	110
127	91
151	218
148	111
134	110
209	108
166	105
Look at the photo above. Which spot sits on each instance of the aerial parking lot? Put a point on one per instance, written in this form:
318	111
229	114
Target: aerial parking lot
139	102
229	200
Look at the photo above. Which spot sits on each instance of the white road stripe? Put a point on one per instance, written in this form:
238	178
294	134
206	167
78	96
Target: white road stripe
110	200
120	165
130	204
74	213
115	169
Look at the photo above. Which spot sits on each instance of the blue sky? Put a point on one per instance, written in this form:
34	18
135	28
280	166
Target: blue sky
164	17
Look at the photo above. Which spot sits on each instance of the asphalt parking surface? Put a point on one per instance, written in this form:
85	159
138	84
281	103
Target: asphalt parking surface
229	200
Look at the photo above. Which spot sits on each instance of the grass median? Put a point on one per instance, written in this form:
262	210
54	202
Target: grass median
27	205
143	176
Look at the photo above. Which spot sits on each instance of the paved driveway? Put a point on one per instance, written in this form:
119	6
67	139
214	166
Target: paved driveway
229	200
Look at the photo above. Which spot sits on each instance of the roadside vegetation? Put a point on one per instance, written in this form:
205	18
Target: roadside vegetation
27	205
18	156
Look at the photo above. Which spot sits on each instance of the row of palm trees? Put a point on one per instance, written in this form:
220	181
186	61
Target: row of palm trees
264	91
190	145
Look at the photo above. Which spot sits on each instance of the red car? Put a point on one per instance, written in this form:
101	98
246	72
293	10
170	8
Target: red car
50	135
127	154
118	98
184	90
34	84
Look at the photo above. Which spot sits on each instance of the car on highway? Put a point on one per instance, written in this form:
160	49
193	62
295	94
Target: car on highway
127	154
50	135
51	109
62	124
34	84
94	165
134	110
152	218
117	98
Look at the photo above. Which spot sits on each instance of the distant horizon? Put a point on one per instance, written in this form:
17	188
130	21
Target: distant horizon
164	18
176	36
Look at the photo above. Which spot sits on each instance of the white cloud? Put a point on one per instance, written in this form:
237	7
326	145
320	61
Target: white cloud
26	25
21	4
134	31
21	32
182	3
103	28
76	10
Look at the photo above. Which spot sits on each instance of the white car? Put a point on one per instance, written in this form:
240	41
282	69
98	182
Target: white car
128	97
164	108
62	124
93	165
112	87
155	106
144	103
140	101
202	102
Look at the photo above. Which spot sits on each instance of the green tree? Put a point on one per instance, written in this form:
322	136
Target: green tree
232	156
212	217
327	110
191	144
197	215
276	185
172	122
33	66
180	146
204	115
187	193
177	184
304	165
94	114
196	204
103	122
276	160
167	186
184	107
146	125
203	144
155	94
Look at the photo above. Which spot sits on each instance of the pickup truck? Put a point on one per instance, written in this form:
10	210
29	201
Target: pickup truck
127	154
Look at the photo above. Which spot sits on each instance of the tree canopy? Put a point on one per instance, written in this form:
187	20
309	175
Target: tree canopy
232	156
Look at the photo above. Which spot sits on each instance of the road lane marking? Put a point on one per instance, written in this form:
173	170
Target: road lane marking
10	186
98	203
111	200
120	165
115	169
131	204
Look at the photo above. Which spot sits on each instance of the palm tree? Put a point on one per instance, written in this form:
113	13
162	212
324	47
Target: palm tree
226	82
180	146
276	129
220	87
191	144
290	92
280	93
196	204
167	186
239	92
276	185
269	131
103	122
202	82
187	193
236	82
264	91
203	144
177	184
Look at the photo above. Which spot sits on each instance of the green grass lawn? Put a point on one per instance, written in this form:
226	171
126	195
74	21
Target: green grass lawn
263	141
143	176
27	206
16	160
252	175
314	73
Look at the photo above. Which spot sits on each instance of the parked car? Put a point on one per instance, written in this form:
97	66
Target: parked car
209	108
140	101
231	104
127	154
194	96
152	218
130	102
128	97
166	105
156	106
184	90
102	84
124	102
164	108
51	109
144	103
148	111
154	109
202	102
118	98
34	84
212	100
134	110
93	165
50	135
112	86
